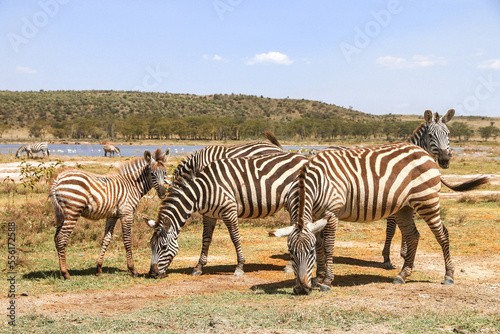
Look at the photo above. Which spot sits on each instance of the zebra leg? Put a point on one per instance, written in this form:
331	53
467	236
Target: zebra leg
320	260
231	221
389	234
127	241
329	234
108	233
441	233
404	219
208	231
61	240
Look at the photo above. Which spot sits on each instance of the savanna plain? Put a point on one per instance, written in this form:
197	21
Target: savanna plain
362	300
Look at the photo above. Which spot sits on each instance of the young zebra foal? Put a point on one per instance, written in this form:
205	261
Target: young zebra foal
114	196
365	185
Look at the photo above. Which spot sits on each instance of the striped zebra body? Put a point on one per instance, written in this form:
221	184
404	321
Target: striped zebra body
433	136
111	149
364	185
76	193
227	189
33	148
200	159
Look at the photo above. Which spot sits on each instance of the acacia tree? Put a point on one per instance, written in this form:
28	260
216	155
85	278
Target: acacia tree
460	130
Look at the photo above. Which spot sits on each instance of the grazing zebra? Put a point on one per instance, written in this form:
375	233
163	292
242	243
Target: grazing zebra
33	148
111	149
227	189
364	185
198	160
114	196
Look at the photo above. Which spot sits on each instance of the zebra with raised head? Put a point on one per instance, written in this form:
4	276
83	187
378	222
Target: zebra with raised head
113	196
33	148
364	185
433	136
227	189
111	149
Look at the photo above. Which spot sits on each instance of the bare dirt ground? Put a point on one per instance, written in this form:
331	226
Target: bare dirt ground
477	288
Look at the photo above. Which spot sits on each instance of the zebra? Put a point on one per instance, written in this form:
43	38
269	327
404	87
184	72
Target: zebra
114	196
433	136
199	159
111	149
33	148
227	189
364	185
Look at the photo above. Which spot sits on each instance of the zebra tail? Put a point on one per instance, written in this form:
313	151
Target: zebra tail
468	185
270	136
57	207
302	195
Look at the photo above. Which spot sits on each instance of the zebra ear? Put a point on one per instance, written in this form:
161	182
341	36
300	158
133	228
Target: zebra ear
428	116
449	115
151	223
167	154
147	156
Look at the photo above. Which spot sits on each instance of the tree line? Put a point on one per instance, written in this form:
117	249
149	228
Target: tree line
210	128
138	115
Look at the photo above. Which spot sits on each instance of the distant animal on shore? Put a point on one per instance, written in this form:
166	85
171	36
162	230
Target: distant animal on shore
112	149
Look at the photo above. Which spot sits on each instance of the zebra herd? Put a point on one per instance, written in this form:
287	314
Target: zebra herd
44	148
392	181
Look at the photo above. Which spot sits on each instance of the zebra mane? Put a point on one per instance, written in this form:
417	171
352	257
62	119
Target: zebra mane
302	195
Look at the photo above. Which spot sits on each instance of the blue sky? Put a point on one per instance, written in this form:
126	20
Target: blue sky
380	57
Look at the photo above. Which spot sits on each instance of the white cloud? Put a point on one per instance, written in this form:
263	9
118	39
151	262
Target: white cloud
214	57
490	64
417	61
270	58
25	70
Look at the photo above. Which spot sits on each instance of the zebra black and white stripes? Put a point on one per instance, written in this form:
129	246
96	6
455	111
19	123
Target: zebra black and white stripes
363	185
198	160
433	136
114	196
33	148
227	189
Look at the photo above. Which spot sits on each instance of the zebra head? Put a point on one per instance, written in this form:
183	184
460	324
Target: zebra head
302	247
438	137
157	170
164	247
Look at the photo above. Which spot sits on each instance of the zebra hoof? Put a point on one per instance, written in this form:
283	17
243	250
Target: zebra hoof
448	281
398	280
196	272
324	288
388	266
238	272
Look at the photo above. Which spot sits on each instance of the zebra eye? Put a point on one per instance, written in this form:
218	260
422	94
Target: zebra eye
163	247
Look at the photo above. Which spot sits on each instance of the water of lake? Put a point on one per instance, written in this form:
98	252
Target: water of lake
126	150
